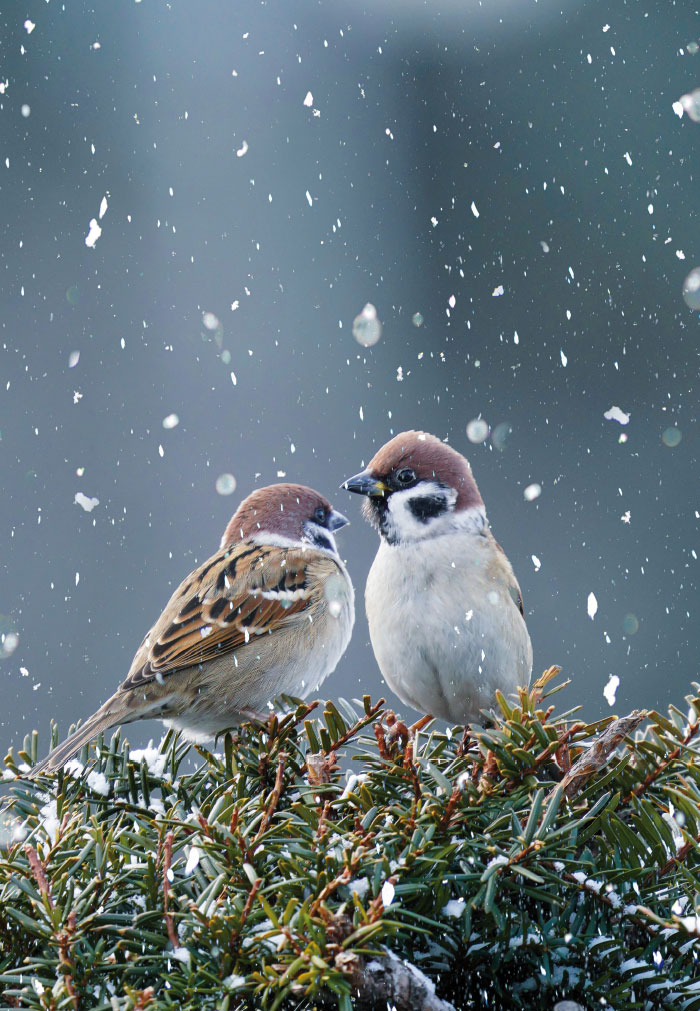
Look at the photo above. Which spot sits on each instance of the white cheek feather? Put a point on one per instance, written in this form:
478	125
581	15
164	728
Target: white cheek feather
402	525
472	520
266	539
274	541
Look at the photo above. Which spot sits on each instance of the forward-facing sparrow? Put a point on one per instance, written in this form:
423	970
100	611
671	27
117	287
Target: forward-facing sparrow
444	608
270	613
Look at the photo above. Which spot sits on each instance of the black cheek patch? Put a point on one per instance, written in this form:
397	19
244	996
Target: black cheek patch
320	540
427	507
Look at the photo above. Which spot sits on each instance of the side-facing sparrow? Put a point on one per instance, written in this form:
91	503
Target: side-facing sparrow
270	613
444	608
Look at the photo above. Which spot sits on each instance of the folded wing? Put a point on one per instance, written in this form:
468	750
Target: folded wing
224	605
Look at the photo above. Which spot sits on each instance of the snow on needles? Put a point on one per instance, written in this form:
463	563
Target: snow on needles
454	908
154	759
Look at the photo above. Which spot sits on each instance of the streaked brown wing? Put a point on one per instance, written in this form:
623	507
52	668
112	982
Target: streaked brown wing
234	597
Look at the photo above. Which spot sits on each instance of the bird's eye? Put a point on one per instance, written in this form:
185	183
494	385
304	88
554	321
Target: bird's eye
320	516
405	476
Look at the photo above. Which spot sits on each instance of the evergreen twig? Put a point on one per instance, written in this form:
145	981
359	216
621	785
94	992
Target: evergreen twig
403	879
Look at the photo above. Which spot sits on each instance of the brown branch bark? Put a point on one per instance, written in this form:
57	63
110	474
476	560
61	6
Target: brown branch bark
64	937
37	869
561	742
680	856
389	982
249	902
596	757
167	858
274	800
65	940
143	998
641	787
361	723
342	879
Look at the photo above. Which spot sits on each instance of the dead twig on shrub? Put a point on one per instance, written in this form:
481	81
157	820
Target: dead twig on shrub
595	758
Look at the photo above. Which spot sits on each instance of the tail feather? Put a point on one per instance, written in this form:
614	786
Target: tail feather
99	721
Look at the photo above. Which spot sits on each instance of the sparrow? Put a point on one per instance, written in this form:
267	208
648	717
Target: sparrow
270	613
445	611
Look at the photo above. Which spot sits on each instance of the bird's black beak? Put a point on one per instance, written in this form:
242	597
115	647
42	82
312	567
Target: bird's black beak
365	483
336	520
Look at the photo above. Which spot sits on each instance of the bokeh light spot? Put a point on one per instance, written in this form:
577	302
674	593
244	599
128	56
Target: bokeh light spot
225	484
671	437
366	327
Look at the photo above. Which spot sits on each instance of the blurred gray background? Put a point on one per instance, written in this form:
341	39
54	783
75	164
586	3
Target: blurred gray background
245	229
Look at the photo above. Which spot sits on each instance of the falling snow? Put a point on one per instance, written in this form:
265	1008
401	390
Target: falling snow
94	233
615	414
391	294
611	688
87	503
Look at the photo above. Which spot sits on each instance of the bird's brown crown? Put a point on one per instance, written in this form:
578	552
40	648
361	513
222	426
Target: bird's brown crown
432	460
280	509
